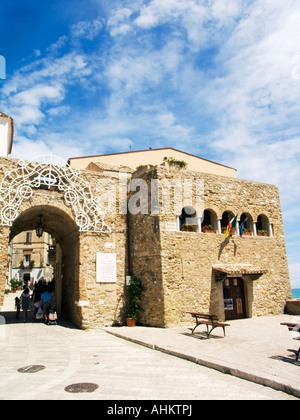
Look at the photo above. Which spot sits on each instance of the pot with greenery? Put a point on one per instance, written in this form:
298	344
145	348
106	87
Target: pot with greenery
188	228
134	294
262	232
209	229
14	283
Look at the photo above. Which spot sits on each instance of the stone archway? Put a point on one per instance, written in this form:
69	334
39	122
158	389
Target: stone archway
69	204
66	233
69	211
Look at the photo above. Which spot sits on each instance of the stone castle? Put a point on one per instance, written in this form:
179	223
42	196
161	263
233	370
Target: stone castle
159	215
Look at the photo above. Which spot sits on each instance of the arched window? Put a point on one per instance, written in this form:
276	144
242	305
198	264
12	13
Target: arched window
226	217
246	222
188	220
209	222
262	225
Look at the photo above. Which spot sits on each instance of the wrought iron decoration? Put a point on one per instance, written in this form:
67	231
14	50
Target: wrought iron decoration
48	172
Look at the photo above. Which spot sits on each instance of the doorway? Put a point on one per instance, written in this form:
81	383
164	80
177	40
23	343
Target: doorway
26	279
64	270
234	298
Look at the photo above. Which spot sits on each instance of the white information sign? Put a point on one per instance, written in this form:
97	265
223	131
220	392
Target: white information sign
106	267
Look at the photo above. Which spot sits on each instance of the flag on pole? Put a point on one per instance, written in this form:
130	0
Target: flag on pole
242	227
233	222
231	225
228	229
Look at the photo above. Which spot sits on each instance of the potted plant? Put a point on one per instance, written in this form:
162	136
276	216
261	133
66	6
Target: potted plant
247	232
188	228
134	291
208	229
262	232
14	283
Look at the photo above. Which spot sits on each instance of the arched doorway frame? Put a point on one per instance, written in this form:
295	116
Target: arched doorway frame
47	173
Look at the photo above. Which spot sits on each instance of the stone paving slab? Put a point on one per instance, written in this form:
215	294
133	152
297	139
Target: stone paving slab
255	349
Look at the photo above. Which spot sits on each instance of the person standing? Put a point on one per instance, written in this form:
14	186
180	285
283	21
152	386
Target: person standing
18	307
46	299
25	303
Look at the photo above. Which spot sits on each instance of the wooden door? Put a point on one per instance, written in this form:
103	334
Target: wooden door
234	298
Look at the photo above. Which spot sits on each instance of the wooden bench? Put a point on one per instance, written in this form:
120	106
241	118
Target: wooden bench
208	320
292	326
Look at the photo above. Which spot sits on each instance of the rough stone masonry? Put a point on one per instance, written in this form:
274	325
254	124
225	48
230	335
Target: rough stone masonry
177	268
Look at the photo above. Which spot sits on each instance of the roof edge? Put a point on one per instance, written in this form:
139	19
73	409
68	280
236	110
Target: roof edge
158	149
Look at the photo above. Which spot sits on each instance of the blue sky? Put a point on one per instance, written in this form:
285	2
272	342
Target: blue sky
219	79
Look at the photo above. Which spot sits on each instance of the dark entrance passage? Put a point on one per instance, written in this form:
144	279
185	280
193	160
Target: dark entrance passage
234	298
65	259
26	278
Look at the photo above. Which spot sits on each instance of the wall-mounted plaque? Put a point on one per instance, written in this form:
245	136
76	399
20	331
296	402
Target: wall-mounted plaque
106	267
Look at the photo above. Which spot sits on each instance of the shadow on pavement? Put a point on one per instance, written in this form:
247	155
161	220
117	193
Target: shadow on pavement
10	318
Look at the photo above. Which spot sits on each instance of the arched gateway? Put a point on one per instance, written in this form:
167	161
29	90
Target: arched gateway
46	191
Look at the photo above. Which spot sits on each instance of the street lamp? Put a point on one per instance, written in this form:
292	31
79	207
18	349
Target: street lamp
39	230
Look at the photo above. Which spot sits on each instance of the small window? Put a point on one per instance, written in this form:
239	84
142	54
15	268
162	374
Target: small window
27	260
226	217
246	223
28	237
262	225
209	223
188	220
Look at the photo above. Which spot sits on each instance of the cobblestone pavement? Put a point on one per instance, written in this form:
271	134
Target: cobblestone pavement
54	362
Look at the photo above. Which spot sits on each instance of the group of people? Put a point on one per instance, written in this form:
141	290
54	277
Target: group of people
41	298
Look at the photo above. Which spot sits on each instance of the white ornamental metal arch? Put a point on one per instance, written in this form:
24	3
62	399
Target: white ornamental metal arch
48	172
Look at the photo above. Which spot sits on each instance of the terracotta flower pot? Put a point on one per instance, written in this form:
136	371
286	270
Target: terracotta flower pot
130	322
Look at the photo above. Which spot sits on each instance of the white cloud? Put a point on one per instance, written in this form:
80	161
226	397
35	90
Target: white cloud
202	22
57	70
86	29
58	45
26	115
38	94
116	23
158	12
59	110
28	149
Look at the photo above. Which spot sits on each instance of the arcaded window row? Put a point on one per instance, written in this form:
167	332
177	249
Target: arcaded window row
208	222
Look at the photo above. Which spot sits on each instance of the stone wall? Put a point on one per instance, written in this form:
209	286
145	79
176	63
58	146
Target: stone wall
176	267
293	307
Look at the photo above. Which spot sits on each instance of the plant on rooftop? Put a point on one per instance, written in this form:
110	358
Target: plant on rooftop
175	162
